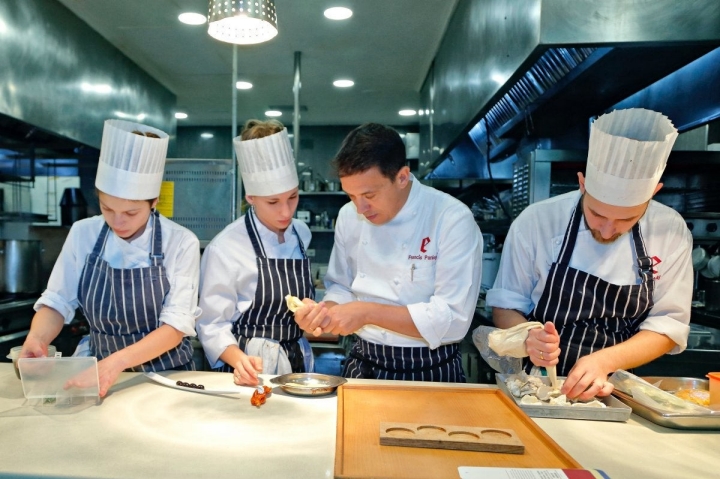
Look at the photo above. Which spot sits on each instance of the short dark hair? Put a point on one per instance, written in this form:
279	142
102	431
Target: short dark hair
371	145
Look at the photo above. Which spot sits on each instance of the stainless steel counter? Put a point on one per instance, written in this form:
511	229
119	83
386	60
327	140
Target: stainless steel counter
143	429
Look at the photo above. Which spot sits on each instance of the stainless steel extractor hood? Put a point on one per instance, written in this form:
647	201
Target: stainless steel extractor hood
547	66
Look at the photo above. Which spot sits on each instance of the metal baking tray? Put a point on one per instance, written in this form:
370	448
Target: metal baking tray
308	384
615	410
668	419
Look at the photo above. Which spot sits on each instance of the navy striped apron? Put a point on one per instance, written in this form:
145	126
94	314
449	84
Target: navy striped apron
269	316
123	305
589	313
368	360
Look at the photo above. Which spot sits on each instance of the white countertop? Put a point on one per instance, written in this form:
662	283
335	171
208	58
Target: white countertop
143	429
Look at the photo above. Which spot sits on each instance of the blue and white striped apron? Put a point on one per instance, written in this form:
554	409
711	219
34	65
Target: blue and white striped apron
589	313
269	316
122	306
368	360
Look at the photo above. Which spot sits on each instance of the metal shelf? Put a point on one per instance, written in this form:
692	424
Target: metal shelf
322	193
23	217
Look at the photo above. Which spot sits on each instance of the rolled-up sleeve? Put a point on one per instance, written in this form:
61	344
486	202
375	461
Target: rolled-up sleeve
180	307
516	277
218	299
670	314
62	287
446	317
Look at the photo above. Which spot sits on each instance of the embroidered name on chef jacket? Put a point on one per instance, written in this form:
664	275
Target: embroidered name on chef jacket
656	261
423	250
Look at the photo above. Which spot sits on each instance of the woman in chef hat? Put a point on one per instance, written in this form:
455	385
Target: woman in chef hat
133	272
606	269
249	268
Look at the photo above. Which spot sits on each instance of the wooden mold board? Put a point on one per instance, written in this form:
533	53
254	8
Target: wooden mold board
362	407
444	436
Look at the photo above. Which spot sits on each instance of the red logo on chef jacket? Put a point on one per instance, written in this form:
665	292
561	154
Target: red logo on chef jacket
656	261
423	249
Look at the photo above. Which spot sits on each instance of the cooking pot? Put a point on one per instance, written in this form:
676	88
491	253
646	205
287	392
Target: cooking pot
332	185
310	185
700	258
712	293
712	269
21	266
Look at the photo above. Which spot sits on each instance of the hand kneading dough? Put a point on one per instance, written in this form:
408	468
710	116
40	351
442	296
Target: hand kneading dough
293	303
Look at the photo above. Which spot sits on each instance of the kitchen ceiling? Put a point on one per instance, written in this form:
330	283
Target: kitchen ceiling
386	48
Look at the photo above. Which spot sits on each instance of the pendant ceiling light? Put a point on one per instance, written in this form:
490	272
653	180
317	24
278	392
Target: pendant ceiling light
243	22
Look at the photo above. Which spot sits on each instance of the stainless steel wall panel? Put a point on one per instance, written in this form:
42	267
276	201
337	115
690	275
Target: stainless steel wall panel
486	43
628	21
62	76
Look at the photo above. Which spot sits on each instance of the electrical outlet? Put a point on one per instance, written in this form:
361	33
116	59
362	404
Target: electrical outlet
310	253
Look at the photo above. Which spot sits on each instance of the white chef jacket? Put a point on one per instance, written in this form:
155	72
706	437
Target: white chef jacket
229	277
534	241
428	258
182	260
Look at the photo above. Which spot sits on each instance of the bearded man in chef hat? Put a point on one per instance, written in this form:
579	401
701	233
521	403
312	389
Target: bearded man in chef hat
605	270
254	263
133	272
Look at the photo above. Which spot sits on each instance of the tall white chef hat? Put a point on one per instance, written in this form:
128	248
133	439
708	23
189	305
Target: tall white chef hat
627	155
131	165
267	164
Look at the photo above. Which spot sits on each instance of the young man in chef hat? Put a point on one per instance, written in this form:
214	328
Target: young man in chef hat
133	272
249	268
405	269
606	269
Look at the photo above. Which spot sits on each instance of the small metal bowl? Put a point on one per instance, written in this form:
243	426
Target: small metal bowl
308	384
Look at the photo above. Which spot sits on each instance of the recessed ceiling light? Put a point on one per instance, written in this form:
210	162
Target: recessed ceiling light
101	88
141	117
243	85
191	18
338	13
206	135
343	83
498	78
407	112
273	113
180	115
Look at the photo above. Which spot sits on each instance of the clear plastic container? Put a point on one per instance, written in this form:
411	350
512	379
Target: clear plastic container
59	380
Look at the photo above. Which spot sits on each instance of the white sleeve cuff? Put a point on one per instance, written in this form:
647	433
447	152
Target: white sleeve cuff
432	321
215	339
671	328
338	295
56	302
505	299
180	320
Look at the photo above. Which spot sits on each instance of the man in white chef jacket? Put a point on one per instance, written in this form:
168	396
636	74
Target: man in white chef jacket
606	269
404	273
